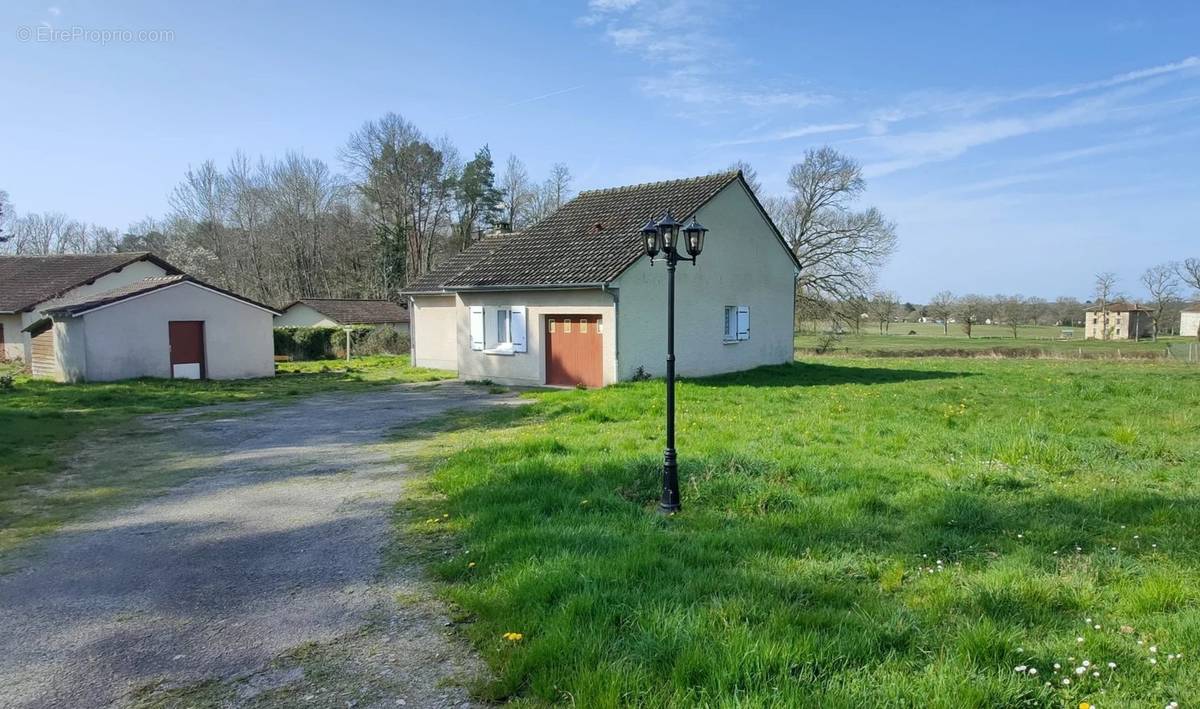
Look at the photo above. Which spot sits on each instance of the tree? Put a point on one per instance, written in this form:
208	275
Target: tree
1067	310
553	193
942	308
1189	272
1163	286
749	173
839	249
517	194
970	309
1035	309
1105	286
1011	310
410	182
883	306
5	216
476	196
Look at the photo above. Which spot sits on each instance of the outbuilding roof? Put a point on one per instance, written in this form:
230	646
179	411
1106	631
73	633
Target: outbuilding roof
1119	307
348	311
26	281
589	241
81	304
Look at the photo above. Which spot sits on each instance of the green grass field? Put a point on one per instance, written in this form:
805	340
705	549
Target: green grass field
856	532
1036	341
42	422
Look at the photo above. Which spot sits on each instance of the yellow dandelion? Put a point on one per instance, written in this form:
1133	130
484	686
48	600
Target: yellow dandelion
1085	705
446	516
513	637
471	565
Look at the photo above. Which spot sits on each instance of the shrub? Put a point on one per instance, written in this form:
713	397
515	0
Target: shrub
6	382
383	340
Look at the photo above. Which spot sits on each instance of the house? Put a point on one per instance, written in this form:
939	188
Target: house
120	315
29	283
574	300
336	312
1189	321
1117	321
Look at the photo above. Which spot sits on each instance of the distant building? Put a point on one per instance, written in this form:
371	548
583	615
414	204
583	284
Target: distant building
1189	320
335	312
1118	321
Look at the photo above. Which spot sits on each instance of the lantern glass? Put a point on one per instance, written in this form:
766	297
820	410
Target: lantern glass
693	235
650	239
668	229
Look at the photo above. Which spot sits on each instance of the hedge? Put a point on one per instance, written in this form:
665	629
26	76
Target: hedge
309	343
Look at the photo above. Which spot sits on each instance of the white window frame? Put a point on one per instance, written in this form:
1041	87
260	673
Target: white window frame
736	326
504	329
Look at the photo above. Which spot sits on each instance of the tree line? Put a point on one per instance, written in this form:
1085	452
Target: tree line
279	229
1162	287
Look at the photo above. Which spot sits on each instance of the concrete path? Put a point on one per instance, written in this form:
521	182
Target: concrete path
274	543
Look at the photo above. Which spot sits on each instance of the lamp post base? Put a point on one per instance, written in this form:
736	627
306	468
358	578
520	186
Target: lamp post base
670	492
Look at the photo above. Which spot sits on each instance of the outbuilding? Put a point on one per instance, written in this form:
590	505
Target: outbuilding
171	326
573	300
340	312
1189	321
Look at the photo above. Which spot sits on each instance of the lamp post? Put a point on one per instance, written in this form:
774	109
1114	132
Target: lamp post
663	237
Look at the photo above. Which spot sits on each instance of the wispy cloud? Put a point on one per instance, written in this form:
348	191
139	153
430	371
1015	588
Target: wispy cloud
674	69
922	146
54	10
791	133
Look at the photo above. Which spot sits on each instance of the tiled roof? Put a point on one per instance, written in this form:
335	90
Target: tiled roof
83	303
26	281
356	312
1119	307
590	240
1193	308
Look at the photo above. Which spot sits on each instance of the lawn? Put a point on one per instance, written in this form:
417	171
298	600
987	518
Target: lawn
856	532
1032	341
42	422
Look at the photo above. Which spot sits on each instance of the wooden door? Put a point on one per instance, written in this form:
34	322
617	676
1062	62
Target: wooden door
42	360
573	350
187	349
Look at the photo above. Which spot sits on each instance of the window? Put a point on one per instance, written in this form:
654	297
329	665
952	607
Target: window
498	329
737	323
567	326
503	326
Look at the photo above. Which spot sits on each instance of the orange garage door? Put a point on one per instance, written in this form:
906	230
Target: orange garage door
573	350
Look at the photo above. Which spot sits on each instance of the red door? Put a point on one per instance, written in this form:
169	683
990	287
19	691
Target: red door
187	349
573	350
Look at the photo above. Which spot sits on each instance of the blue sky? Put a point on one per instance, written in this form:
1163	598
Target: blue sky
1019	146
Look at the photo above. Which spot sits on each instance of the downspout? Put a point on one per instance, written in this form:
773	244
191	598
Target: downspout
615	293
412	331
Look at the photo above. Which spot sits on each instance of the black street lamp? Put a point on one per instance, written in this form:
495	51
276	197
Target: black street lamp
663	236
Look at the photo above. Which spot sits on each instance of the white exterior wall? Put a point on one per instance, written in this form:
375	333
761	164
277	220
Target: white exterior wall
130	338
529	367
434	328
301	315
1189	323
137	271
743	263
14	339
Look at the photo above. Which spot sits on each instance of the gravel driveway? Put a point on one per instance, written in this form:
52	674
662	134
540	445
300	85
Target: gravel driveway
273	544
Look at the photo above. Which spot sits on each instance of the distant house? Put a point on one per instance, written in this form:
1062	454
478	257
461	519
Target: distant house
117	316
1189	321
574	300
335	312
1118	321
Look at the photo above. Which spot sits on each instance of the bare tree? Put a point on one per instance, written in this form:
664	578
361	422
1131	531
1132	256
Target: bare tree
1011	310
839	249
1189	272
970	310
749	173
6	215
517	194
553	193
1163	286
1105	286
883	306
942	308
